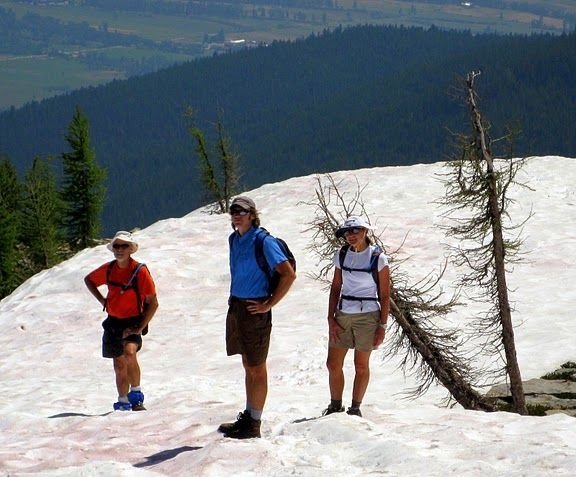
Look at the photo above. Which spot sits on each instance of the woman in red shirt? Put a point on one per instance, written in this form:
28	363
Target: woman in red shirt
130	303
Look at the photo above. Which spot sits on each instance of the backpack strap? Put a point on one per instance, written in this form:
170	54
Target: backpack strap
342	255
372	269
132	282
261	235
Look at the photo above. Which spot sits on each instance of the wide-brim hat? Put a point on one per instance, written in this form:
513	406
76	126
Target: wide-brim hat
350	223
125	237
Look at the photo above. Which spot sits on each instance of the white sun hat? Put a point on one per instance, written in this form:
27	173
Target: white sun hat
350	223
125	237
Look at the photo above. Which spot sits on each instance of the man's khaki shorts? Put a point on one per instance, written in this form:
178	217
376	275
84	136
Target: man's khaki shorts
358	330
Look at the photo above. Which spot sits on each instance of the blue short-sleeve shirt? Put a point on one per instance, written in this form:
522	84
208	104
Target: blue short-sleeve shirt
248	280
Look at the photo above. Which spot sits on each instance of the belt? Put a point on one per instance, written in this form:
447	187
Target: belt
235	299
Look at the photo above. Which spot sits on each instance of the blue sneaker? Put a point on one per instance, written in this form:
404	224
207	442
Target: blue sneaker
122	406
136	397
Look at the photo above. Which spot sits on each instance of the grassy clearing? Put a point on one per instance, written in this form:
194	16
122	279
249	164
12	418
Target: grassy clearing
25	79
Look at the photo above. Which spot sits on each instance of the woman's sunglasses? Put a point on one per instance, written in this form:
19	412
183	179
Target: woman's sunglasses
122	246
355	230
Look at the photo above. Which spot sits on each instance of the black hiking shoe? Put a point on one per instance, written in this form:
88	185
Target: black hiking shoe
354	411
332	409
240	422
250	429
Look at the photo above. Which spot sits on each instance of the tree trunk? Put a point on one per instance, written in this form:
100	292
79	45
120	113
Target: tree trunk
512	367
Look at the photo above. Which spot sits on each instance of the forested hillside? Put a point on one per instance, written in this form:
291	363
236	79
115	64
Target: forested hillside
345	99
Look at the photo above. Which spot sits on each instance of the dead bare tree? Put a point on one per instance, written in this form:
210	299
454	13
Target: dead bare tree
431	354
476	194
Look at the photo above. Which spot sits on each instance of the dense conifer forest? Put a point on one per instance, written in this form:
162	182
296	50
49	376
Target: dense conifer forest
347	98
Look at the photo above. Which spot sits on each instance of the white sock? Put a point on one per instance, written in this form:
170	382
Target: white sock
123	399
256	414
135	388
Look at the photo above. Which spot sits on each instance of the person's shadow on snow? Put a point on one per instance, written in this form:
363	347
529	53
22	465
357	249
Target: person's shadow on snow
164	455
77	414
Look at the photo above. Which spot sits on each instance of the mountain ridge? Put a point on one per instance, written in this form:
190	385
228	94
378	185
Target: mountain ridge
356	97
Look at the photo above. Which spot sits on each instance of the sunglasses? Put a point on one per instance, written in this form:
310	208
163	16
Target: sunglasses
355	230
122	246
241	212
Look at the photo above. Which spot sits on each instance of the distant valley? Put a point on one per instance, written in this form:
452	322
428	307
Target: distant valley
346	98
49	48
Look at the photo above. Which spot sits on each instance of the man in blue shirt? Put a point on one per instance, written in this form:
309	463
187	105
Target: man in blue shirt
249	319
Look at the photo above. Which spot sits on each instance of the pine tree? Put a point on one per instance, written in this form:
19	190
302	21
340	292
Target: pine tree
83	186
10	198
42	216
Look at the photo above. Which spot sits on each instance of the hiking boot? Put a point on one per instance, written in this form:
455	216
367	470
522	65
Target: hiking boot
240	422
354	411
332	409
122	406
250	429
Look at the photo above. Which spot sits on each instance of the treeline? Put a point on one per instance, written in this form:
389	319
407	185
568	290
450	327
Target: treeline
283	10
536	8
299	10
542	9
344	99
42	220
35	34
38	34
230	8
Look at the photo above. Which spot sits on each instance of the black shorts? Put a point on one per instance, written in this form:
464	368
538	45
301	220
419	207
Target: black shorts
112	341
247	334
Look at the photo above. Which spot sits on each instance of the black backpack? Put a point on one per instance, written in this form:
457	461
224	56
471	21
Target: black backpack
273	275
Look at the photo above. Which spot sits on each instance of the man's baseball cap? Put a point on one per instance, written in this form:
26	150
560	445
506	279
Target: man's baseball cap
243	202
